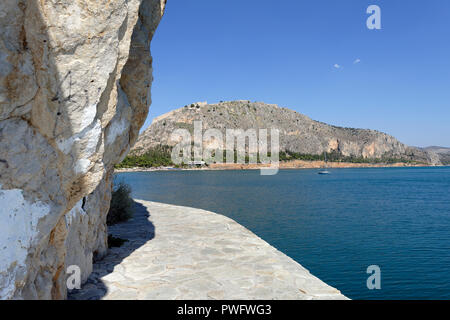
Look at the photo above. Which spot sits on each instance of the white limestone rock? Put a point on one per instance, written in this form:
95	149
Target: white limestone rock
75	82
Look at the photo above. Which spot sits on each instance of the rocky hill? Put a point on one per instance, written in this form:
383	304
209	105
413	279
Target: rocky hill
298	133
442	152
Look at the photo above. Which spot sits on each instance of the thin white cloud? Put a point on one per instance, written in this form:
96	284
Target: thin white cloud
337	66
357	61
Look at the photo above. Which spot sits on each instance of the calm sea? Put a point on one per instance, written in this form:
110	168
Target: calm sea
336	225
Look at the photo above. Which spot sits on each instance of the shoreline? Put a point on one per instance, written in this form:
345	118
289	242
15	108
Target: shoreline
176	252
294	164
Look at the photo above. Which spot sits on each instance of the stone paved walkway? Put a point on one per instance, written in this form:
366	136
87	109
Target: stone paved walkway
185	253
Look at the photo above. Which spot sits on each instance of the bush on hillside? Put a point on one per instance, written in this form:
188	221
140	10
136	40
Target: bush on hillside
121	208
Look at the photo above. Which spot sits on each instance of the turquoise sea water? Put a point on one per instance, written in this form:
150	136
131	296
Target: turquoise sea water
335	225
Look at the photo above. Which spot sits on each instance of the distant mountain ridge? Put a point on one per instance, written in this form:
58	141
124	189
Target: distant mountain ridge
438	149
298	133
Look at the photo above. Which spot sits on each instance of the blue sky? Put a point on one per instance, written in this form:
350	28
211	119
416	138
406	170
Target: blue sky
285	52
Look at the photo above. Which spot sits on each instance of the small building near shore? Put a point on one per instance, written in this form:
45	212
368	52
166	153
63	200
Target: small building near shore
196	163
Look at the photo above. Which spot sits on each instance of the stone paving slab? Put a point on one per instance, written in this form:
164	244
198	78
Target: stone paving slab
178	252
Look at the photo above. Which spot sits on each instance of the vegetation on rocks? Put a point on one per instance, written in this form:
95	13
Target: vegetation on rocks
121	208
159	156
336	156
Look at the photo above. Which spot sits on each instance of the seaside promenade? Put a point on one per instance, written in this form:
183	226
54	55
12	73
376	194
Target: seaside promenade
177	252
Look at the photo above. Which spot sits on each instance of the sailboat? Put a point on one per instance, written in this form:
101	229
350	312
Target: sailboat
324	171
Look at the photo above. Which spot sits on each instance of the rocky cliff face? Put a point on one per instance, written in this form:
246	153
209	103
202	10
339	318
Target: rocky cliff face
298	133
75	81
442	152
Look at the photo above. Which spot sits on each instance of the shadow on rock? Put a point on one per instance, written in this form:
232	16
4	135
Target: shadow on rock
137	231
